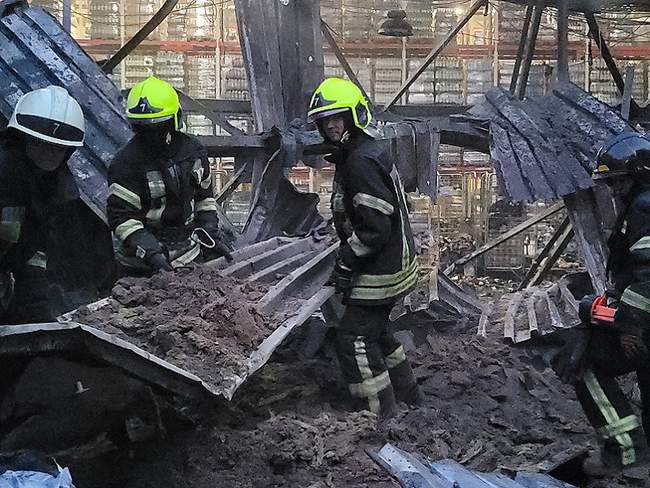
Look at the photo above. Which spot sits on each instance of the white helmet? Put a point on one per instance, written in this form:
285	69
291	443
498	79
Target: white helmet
51	115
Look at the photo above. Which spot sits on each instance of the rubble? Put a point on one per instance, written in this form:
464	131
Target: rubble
488	406
196	319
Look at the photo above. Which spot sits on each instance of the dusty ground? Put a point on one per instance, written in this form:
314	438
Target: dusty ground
487	406
193	318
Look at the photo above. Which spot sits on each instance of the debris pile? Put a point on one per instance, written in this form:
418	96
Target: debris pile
195	319
487	406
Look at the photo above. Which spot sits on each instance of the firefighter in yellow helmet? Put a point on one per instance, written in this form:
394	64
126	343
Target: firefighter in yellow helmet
161	206
376	263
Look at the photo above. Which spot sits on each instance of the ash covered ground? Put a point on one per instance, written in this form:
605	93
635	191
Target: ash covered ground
488	406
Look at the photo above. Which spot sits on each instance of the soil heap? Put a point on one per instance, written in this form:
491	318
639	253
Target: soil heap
194	318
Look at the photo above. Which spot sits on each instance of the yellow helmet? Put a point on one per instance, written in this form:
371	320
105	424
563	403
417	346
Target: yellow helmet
335	95
153	101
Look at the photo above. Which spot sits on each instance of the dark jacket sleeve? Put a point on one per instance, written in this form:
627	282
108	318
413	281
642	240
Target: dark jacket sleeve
205	205
125	207
634	308
23	250
374	205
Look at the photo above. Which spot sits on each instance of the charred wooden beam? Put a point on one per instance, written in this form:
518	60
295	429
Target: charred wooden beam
327	34
549	255
529	51
435	53
139	36
563	42
522	46
518	229
599	39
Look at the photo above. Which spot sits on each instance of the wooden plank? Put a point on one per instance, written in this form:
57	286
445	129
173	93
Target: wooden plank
509	319
518	229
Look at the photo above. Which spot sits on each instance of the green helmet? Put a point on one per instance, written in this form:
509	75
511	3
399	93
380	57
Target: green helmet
334	96
153	101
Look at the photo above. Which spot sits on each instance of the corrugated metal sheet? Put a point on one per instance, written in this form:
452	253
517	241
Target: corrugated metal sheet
411	473
544	148
36	52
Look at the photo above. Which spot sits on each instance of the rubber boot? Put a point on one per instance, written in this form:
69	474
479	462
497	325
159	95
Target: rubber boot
406	387
383	404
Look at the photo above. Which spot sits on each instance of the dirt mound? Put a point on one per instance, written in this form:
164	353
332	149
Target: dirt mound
194	318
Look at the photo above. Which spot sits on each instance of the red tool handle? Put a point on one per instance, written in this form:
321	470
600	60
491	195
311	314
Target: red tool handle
600	312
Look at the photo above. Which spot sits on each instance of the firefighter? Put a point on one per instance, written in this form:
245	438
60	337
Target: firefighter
161	207
46	127
600	352
376	263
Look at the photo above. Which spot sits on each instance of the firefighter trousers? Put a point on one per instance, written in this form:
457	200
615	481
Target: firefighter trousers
620	431
373	363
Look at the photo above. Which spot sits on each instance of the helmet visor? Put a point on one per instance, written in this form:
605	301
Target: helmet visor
314	116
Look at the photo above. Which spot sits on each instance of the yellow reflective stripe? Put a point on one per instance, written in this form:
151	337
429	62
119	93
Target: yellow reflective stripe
358	247
38	260
374	203
125	229
628	454
622	426
11	220
156	184
206	205
365	388
187	258
636	300
643	243
370	387
397	357
388	279
155	214
125	194
384	292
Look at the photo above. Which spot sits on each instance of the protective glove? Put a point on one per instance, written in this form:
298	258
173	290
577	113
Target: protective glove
633	345
341	279
217	244
159	262
571	361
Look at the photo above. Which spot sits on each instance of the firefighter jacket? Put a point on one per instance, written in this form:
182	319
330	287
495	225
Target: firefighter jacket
629	262
29	198
371	218
157	198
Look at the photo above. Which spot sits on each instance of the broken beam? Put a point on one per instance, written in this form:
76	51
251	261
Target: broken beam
518	229
522	46
327	34
597	36
435	53
220	146
549	255
529	52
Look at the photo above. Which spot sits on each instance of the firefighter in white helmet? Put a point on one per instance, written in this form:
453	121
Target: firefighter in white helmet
45	129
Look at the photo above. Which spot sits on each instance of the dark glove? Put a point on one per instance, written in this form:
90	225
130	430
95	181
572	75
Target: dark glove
217	244
633	345
340	279
159	262
571	361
